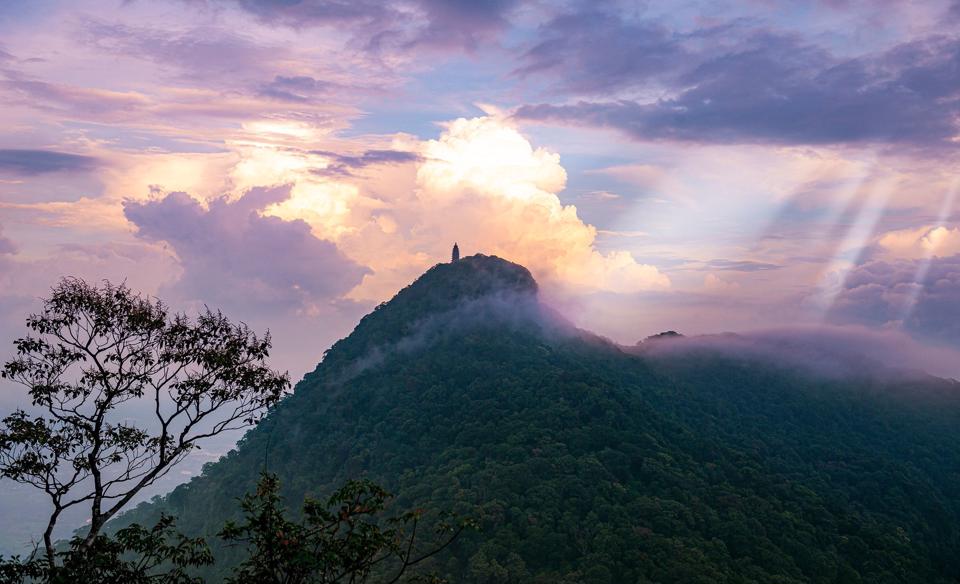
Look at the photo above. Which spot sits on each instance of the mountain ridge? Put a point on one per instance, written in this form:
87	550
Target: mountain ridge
587	463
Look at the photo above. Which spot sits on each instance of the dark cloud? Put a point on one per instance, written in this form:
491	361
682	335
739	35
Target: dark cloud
232	255
464	23
741	265
922	300
730	84
446	23
300	13
32	162
299	88
345	164
594	52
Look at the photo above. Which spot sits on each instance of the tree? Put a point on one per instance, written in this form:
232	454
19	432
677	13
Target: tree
134	555
344	540
123	390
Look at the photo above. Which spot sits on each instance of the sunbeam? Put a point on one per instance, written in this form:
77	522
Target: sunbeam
850	249
923	266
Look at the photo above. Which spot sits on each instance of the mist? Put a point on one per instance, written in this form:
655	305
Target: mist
505	310
828	350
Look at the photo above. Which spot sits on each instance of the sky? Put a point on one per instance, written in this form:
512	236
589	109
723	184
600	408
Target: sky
697	166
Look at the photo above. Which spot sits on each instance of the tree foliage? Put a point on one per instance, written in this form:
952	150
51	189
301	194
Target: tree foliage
344	540
122	391
133	555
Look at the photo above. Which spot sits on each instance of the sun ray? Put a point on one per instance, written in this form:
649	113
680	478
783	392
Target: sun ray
849	250
923	266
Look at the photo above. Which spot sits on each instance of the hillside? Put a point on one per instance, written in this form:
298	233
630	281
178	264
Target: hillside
589	463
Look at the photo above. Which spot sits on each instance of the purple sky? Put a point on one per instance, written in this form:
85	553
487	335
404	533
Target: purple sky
699	166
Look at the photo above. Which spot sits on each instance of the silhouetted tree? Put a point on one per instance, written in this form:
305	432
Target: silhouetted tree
94	351
134	555
344	540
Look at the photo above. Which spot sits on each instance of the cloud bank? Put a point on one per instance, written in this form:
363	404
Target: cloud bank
737	82
458	24
919	296
824	350
33	162
234	256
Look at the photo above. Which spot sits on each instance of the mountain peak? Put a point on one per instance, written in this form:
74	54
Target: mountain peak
476	288
446	286
475	276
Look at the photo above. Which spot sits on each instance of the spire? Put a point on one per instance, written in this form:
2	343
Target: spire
456	253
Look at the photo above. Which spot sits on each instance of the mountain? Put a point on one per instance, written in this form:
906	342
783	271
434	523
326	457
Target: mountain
590	462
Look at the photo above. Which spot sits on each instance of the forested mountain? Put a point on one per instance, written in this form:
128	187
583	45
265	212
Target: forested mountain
587	462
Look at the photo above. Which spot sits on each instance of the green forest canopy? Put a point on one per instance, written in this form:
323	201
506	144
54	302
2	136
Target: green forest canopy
589	463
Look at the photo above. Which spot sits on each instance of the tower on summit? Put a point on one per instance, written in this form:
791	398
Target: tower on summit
456	253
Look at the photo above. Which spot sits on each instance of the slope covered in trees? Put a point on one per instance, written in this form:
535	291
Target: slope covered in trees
587	463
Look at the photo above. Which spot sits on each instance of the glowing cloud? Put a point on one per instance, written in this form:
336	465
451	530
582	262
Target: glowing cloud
924	242
488	157
484	184
480	183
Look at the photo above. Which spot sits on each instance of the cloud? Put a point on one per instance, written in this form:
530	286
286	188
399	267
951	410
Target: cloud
301	13
33	162
922	242
741	265
231	254
826	350
483	179
298	88
730	84
463	23
595	52
601	196
919	296
202	51
406	24
174	85
64	99
345	164
481	183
